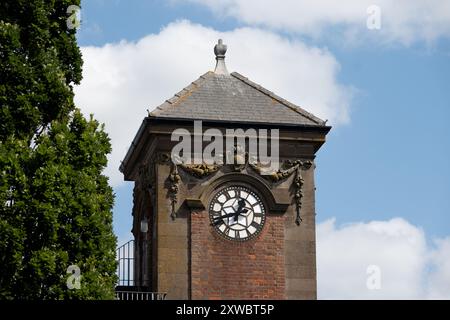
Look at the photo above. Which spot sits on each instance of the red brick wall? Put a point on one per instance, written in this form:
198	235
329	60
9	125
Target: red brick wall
223	269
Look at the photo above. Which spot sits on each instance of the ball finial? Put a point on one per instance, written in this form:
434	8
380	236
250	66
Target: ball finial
219	50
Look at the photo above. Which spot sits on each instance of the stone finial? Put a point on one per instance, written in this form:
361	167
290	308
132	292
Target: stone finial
219	50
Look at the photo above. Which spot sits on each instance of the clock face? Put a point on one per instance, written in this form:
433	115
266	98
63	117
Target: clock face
237	213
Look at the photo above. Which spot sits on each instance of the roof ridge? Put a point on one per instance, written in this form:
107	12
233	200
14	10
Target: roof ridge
177	97
283	101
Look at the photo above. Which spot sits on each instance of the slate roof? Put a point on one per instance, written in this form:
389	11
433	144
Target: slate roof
232	97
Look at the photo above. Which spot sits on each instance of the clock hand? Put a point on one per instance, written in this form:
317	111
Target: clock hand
225	216
235	215
219	219
241	205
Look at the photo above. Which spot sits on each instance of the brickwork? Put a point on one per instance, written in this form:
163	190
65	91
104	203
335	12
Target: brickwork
223	269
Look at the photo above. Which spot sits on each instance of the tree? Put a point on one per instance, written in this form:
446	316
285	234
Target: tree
39	62
55	203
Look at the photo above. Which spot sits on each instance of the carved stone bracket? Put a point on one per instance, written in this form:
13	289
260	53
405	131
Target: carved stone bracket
240	159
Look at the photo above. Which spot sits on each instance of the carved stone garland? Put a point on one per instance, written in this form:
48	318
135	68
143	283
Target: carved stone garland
292	166
200	170
203	170
174	179
197	170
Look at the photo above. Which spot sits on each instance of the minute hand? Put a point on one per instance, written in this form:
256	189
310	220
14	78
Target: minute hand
225	216
217	220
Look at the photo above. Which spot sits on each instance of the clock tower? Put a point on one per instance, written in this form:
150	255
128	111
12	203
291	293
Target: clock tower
223	200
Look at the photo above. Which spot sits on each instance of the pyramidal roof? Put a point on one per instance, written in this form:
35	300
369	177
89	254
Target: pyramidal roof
220	96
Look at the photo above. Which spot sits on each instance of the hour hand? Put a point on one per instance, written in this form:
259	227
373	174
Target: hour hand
218	219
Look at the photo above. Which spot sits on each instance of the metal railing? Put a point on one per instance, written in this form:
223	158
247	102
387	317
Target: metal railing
127	286
125	266
140	295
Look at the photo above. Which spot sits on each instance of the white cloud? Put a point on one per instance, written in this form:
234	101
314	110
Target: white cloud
410	269
403	21
439	282
122	80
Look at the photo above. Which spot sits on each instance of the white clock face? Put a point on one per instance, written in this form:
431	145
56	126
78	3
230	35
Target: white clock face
237	213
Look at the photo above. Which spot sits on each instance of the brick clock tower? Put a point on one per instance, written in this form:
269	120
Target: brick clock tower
225	229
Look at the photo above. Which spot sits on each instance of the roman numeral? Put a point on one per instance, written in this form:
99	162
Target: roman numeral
255	224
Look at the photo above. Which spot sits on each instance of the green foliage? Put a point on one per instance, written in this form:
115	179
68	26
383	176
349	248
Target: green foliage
39	62
57	213
55	203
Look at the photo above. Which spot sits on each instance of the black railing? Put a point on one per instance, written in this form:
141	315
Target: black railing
128	287
125	267
136	293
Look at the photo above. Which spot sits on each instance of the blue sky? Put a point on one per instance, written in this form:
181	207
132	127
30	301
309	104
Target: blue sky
389	159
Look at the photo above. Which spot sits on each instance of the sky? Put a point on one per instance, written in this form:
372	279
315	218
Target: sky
380	75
